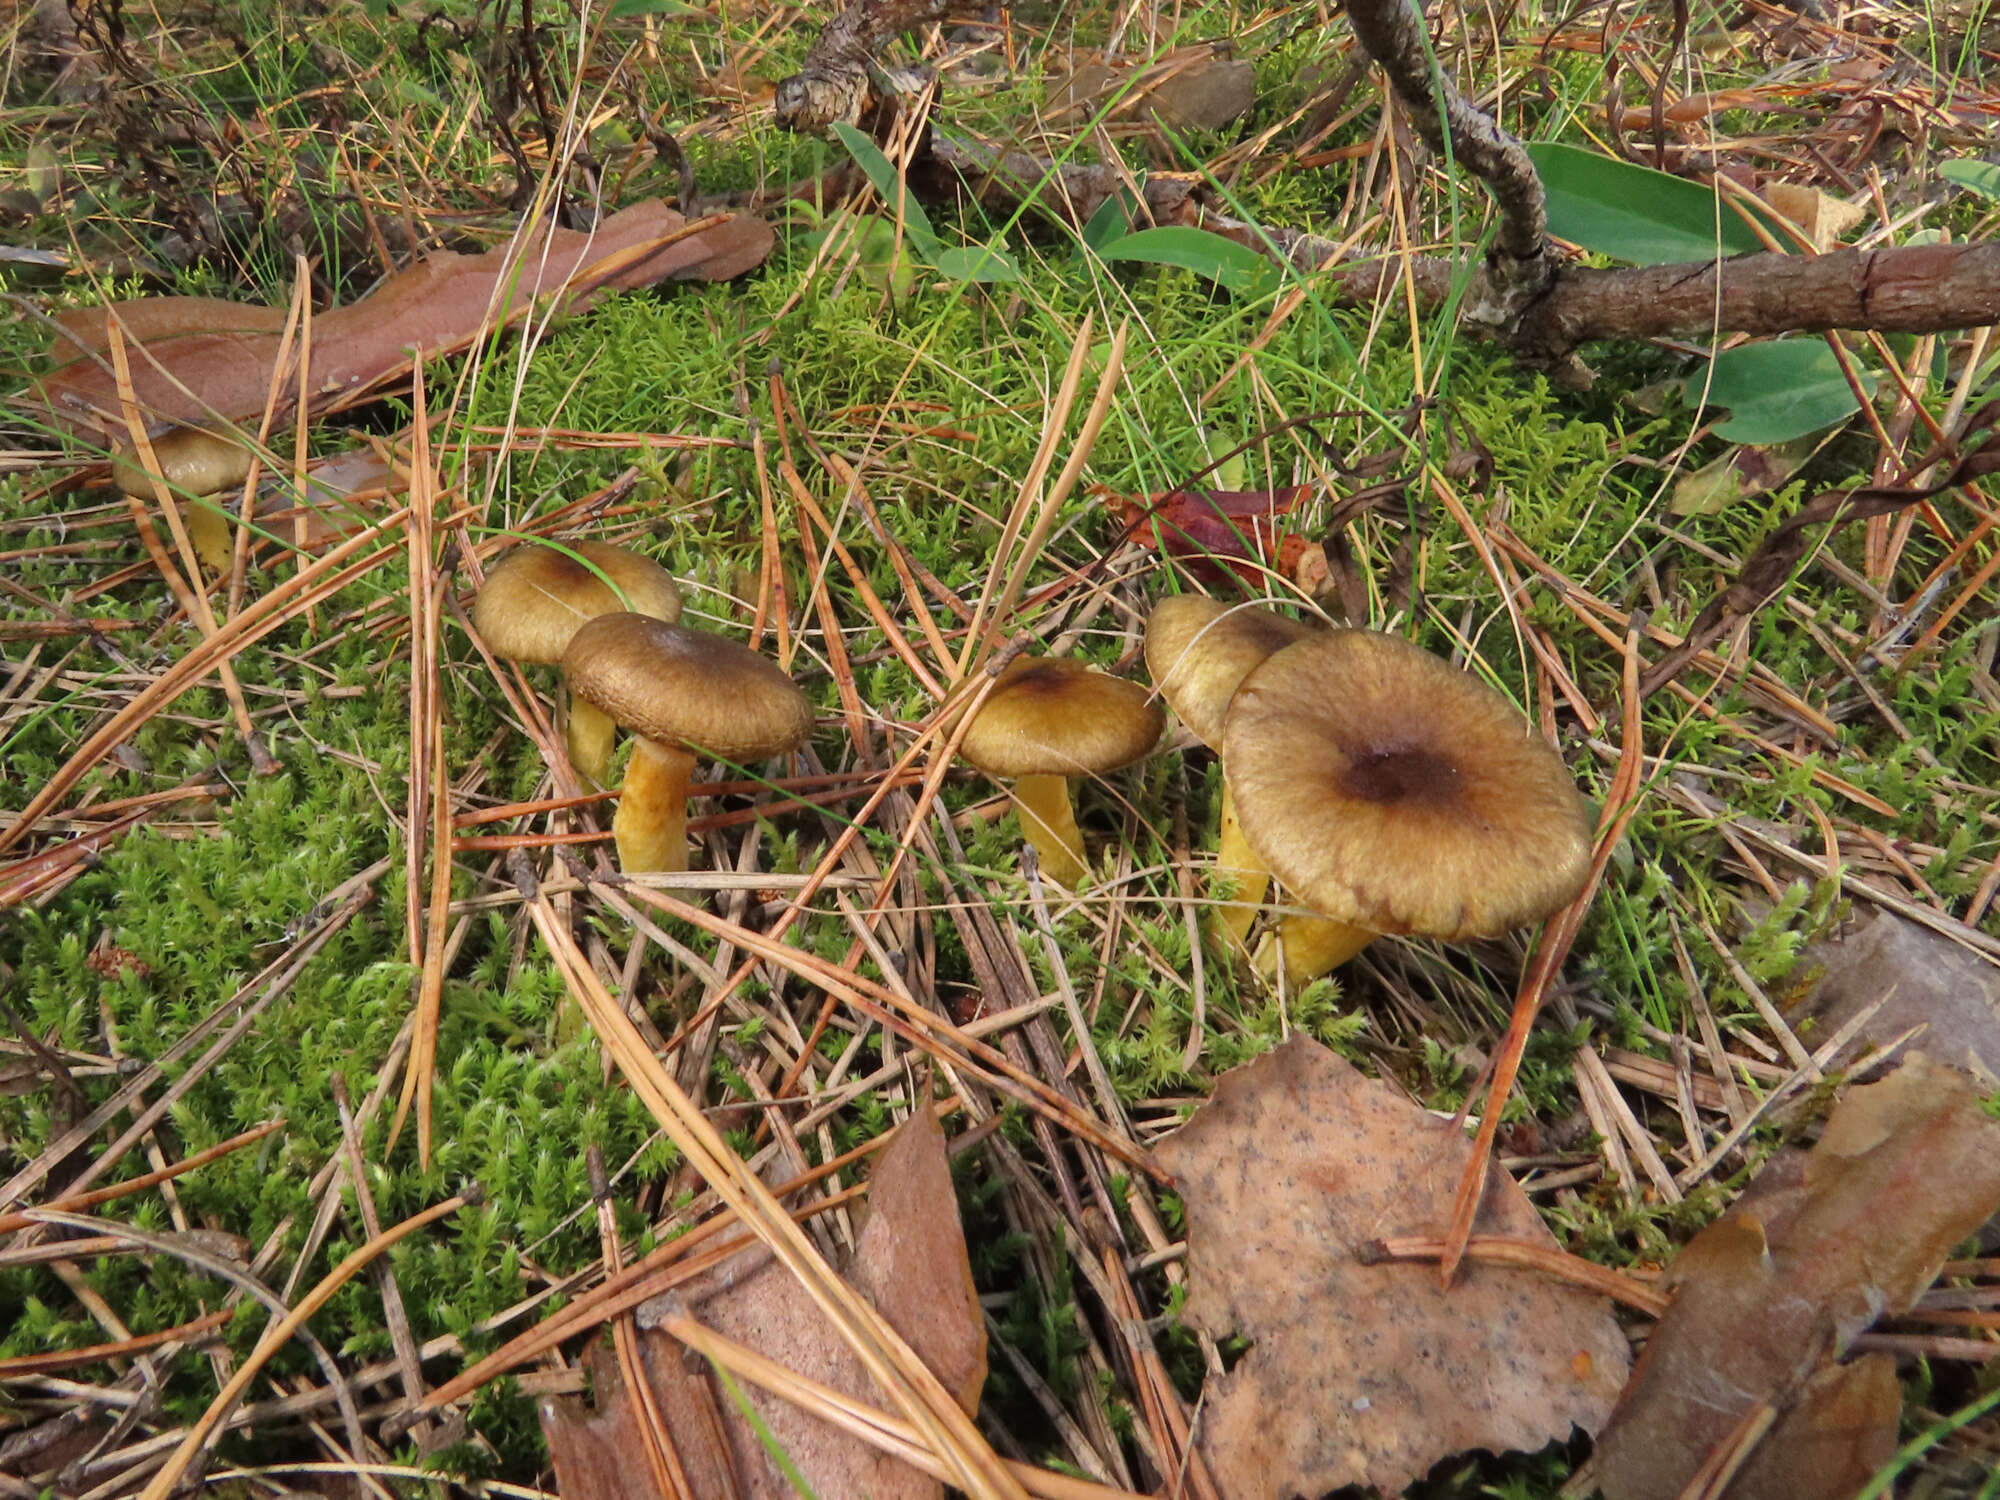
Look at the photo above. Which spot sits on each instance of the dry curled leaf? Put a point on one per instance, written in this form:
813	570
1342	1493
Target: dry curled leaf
1365	1374
1219	533
1768	1297
1741	474
200	360
1190	89
910	1261
1823	218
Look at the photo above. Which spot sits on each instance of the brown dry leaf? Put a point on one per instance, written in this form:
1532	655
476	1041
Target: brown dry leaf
1923	979
1192	89
1365	1374
1823	217
210	361
910	1261
1818	1247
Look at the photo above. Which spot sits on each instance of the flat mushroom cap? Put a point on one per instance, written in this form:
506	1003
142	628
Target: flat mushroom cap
536	597
193	461
1393	792
686	688
1199	651
1050	716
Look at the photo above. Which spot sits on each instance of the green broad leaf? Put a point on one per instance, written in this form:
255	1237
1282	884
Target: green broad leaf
987	263
622	9
1109	222
1222	261
1634	213
1981	177
888	183
1778	391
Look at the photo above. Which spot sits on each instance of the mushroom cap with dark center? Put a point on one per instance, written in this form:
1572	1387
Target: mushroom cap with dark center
193	461
1050	716
686	688
1393	792
536	597
1199	651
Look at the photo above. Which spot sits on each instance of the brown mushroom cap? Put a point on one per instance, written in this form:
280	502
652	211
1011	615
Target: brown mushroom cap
686	688
1199	651
193	461
1396	793
535	597
1050	716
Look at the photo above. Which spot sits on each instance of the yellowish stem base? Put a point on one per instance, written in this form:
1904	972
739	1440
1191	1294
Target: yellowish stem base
1049	823
213	536
591	737
1235	859
650	826
1310	947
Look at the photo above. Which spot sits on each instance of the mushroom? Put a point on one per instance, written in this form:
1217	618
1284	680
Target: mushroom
1393	793
680	691
1198	651
536	597
195	463
1046	720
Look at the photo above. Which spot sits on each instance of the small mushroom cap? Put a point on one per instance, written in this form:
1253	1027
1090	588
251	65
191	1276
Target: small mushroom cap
1050	716
1396	793
1199	651
686	688
193	461
536	597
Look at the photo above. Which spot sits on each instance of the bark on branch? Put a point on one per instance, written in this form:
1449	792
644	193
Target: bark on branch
1523	263
840	73
1540	308
1913	289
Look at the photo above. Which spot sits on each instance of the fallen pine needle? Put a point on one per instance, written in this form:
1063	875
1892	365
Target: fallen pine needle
1496	1249
279	1334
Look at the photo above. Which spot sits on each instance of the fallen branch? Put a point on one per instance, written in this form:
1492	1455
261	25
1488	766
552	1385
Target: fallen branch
836	81
1539	307
1910	289
1523	263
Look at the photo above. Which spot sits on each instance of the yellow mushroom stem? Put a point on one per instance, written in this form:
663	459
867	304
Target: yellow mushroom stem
213	537
650	826
1235	859
1049	823
591	735
1310	947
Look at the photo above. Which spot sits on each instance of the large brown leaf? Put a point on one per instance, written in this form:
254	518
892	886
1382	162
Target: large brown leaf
1766	1298
1365	1374
910	1261
197	359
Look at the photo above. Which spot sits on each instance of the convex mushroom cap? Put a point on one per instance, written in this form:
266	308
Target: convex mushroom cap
1396	793
196	463
193	461
686	688
1050	716
1199	651
537	597
1046	720
680	691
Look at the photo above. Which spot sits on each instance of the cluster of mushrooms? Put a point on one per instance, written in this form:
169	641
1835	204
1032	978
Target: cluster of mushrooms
1391	792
